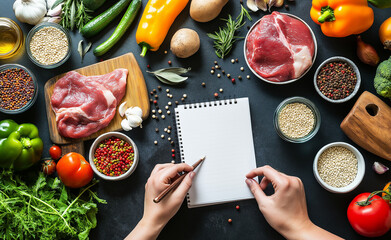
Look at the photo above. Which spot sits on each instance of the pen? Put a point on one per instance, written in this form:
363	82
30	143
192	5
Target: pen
176	182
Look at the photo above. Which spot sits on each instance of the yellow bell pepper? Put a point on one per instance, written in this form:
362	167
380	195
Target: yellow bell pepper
157	19
341	18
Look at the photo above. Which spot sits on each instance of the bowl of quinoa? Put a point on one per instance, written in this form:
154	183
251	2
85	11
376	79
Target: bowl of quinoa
113	156
337	79
296	120
339	167
48	45
18	88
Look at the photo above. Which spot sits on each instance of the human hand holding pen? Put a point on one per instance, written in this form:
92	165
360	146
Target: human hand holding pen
155	215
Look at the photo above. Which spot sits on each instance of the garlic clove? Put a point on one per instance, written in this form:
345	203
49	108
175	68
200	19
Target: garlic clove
252	6
55	19
134	111
125	125
55	12
262	4
134	120
121	109
278	3
271	3
379	168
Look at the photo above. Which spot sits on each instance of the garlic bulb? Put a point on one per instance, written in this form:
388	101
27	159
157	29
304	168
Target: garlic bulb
134	111
134	121
30	11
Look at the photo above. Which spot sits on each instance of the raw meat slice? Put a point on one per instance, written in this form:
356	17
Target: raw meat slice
84	105
280	48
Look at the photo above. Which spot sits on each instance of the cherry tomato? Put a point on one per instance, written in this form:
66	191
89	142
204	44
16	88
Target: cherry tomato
373	220
387	189
74	171
55	152
48	167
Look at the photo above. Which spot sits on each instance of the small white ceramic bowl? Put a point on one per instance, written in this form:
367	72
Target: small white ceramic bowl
291	80
123	137
355	68
360	168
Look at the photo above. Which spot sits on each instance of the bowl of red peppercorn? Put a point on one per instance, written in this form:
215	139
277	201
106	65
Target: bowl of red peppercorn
18	88
337	79
113	156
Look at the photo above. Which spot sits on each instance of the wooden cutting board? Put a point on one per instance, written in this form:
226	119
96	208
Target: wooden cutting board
369	125
136	94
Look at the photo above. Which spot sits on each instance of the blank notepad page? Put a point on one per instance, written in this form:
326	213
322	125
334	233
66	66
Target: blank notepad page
221	131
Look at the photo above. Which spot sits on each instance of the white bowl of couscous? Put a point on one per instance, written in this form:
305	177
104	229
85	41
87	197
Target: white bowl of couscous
339	167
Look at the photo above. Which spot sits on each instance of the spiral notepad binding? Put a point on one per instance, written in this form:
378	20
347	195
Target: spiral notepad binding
194	105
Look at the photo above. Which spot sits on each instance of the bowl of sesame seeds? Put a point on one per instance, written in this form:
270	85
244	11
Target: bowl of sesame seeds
18	88
337	79
296	120
48	45
339	167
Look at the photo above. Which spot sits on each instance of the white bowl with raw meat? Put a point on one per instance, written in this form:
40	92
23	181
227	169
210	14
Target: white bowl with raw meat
280	48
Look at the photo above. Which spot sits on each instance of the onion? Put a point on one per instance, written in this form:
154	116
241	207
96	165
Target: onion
379	168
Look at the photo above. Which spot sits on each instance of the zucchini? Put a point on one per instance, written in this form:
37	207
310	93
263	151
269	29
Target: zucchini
93	4
123	25
97	24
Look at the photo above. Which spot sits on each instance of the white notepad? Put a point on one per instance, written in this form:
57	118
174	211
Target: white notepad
221	131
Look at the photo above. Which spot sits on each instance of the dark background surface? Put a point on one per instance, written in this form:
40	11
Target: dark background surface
125	198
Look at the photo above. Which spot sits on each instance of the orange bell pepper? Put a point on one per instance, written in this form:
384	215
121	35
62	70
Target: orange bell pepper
157	19
341	18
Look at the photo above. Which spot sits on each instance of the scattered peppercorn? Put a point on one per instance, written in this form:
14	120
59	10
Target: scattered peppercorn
218	75
16	88
230	220
216	95
148	66
113	156
237	60
156	96
286	6
240	77
169	62
154	90
212	71
169	139
221	90
242	69
154	102
203	84
159	87
228	75
172	150
163	117
213	68
222	71
232	60
172	142
176	102
169	127
233	80
173	155
336	80
248	76
237	207
215	62
156	129
155	142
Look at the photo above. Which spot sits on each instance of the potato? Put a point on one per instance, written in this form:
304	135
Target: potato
185	43
206	10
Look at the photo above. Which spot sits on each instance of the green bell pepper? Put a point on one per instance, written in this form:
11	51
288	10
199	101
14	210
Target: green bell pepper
20	145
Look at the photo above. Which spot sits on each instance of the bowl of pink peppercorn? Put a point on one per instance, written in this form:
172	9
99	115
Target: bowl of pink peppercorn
113	156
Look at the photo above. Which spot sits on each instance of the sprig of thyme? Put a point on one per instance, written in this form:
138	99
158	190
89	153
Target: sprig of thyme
225	38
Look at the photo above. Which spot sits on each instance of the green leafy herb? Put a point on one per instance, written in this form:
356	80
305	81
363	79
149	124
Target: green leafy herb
74	14
225	38
171	76
36	207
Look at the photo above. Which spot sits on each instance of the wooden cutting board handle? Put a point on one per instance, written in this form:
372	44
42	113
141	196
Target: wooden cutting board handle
368	124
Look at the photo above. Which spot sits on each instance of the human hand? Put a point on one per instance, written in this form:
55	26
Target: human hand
156	215
161	177
286	209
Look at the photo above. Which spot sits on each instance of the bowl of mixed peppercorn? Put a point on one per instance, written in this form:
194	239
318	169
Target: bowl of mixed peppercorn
337	79
18	88
113	156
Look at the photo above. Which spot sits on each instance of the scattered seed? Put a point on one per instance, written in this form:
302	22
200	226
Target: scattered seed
163	117
170	95
248	76
237	60
173	161
232	60
176	102
286	6
240	77
172	150
154	102
172	143
242	69
233	80
169	127
212	71
230	220
156	129
168	131
156	96
166	107
159	87
203	84
173	155
155	142
215	62
165	129
153	116
216	95
159	111
228	75
222	71
169	139
185	95
217	66
221	90
162	136
213	68
169	103
169	62
237	207
153	111
148	66
168	112
218	75
154	90
151	93
151	100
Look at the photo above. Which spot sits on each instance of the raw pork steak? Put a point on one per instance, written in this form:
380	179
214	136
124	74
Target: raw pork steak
84	105
280	48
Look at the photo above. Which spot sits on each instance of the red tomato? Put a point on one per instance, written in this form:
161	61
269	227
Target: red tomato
373	220
74	171
48	167
55	152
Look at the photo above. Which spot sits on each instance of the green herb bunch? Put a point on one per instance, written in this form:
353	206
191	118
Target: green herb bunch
74	14
225	38
44	209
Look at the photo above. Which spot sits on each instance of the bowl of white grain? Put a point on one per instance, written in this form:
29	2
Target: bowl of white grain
48	45
339	167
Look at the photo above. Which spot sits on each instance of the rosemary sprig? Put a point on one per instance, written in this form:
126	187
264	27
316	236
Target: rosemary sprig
224	39
74	14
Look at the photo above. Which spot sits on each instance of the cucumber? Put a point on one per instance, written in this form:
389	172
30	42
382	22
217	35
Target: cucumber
97	24
93	4
123	25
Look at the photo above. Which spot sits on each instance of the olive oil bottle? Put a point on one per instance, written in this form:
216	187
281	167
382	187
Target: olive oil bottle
11	38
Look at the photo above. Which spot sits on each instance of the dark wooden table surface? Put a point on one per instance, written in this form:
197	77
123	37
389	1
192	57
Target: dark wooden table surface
125	198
